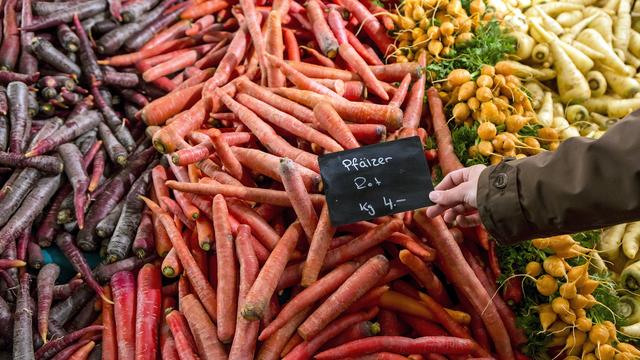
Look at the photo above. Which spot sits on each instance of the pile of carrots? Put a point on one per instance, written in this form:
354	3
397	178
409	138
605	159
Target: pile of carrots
223	247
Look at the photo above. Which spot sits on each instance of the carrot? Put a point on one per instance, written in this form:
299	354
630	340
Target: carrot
263	288
413	110
213	57
229	161
235	54
10	47
123	284
401	345
281	103
321	31
370	23
65	242
462	275
204	229
181	335
273	347
51	348
22	329
246	332
227	271
291	45
326	285
161	109
423	327
446	154
288	122
357	112
267	164
252	20
267	136
327	117
320	58
46	279
299	197
425	276
203	329
308	348
319	245
259	226
83	352
354	60
167	35
66	353
300	80
109	340
147	312
274	46
356	331
200	285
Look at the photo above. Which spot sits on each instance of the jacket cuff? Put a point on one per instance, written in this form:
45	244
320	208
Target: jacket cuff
499	203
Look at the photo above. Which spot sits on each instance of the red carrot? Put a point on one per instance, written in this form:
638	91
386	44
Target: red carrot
426	277
200	284
147	312
123	284
351	57
54	346
327	117
423	327
181	335
300	80
323	60
319	245
259	226
204	331
83	352
299	197
272	348
322	72
291	45
196	11
229	161
11	40
267	280
413	110
401	92
227	271
446	154
274	46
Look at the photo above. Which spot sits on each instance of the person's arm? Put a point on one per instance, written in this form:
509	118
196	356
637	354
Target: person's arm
585	184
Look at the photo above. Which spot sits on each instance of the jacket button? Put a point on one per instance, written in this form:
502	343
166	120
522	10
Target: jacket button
500	181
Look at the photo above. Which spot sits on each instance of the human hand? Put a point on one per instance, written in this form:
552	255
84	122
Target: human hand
455	197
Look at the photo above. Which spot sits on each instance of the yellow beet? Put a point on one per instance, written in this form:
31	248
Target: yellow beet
578	302
461	111
487	131
547	316
484	94
485	148
588	286
561	306
546	285
559	329
458	77
605	352
599	334
568	290
584	324
554	266
467	90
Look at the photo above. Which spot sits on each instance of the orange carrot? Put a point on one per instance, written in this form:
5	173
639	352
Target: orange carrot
203	330
267	164
300	80
288	122
246	333
177	63
163	243
229	161
321	31
163	82
171	266
369	56
170	137
298	195
323	60
161	109
260	195
274	345
200	24
132	58
327	117
235	54
396	71
446	154
196	11
83	352
200	284
148	312
357	112
213	57
322	72
413	110
109	342
349	292
181	335
425	276
267	135
319	245
401	92
351	57
205	233
252	20
275	46
227	270
283	104
265	285
259	226
291	45
368	300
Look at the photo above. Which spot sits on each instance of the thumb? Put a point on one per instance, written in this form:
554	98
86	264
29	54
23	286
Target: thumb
449	197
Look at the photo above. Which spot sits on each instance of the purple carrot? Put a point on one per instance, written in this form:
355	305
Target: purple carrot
46	280
7	76
8	279
44	8
90	153
22	244
18	95
54	346
34	255
88	59
32	109
11	40
130	112
120	131
62	292
85	142
84	317
22	329
64	311
89	23
83	10
110	196
47	230
121	79
72	158
104	26
143	36
79	263
6	318
144	244
129	220
32	206
107	225
72	128
67	38
70	98
48	128
46	52
112	41
16	191
4	102
117	153
45	163
133	9
104	272
4	133
28	64
135	97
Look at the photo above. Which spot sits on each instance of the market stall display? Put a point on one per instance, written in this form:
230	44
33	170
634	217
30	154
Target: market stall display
167	153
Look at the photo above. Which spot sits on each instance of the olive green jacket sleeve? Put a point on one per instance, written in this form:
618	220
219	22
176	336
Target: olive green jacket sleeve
585	184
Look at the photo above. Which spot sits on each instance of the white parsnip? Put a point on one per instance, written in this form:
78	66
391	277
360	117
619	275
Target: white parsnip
631	240
622	25
592	38
609	244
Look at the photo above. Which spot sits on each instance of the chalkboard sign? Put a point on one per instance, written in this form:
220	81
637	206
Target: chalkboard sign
376	180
